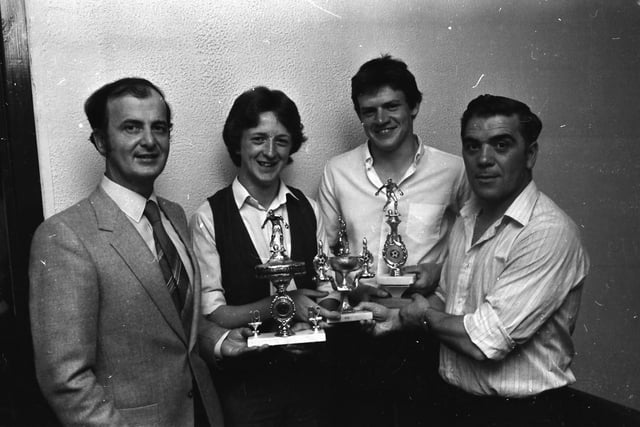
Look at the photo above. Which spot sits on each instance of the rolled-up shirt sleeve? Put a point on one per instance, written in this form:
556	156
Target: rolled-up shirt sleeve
204	246
486	331
543	266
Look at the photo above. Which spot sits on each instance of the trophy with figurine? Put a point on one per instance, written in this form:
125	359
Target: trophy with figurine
280	270
366	259
345	264
394	251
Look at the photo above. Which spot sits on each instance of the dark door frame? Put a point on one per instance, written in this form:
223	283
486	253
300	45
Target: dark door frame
20	214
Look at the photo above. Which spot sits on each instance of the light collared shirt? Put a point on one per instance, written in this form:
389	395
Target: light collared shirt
133	204
254	217
518	288
434	188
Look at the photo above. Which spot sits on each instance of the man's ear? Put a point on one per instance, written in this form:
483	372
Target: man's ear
414	111
532	154
99	140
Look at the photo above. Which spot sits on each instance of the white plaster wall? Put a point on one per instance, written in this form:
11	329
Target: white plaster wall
203	54
574	61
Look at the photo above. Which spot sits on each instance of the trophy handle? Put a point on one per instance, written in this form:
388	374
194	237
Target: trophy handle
356	278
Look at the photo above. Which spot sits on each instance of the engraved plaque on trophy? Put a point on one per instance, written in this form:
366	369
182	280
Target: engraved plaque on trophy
344	263
394	251
279	270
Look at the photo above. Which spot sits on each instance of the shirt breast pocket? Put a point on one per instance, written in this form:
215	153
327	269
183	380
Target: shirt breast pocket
424	223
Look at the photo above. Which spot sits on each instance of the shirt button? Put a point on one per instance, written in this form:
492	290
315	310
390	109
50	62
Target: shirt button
190	394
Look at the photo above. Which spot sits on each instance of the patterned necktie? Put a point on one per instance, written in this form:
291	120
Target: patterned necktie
173	271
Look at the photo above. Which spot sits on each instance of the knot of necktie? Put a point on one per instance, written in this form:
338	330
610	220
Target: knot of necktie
152	212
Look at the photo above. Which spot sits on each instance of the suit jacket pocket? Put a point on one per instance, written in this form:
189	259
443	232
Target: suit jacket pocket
141	416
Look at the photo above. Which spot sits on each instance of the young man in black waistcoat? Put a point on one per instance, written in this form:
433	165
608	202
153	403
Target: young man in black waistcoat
231	233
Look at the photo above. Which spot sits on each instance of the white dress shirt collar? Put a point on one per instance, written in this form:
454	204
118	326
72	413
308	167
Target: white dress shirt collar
420	152
241	196
520	209
130	202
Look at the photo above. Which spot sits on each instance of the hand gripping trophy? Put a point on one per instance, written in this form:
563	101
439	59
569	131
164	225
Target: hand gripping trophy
280	269
394	251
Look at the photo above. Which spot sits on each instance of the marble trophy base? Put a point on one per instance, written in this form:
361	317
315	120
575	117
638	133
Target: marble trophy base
396	285
405	280
352	316
300	337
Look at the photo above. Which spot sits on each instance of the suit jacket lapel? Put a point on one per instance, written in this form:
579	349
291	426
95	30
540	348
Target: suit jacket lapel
128	243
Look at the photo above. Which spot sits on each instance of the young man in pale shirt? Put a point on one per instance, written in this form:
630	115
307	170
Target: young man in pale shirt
431	189
510	289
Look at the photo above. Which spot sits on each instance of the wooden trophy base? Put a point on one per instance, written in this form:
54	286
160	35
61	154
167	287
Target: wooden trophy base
300	337
353	316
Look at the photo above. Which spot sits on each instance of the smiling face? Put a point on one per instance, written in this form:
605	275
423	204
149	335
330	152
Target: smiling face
387	119
135	142
264	152
497	160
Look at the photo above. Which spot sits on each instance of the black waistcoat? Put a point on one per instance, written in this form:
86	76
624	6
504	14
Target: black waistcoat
238	255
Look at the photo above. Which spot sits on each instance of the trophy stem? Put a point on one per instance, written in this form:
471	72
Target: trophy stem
282	305
345	283
284	329
345	307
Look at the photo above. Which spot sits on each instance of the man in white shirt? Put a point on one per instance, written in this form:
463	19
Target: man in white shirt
115	286
510	288
431	187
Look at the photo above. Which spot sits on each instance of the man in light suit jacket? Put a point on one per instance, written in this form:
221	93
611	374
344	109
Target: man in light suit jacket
115	331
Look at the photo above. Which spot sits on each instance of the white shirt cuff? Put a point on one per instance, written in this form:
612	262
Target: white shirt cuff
217	349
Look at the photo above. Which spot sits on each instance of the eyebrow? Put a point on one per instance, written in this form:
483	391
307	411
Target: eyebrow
493	138
137	122
259	133
502	136
385	104
132	121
